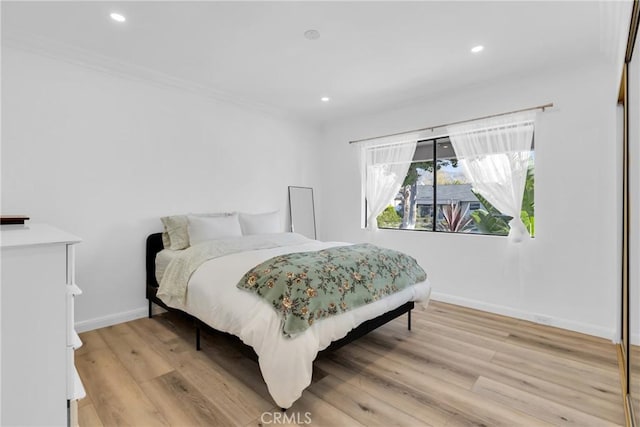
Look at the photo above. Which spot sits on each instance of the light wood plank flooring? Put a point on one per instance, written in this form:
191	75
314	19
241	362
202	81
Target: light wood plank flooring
457	367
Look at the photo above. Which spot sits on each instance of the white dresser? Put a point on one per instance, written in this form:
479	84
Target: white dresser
38	339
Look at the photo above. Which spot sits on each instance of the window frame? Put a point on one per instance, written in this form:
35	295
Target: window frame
434	206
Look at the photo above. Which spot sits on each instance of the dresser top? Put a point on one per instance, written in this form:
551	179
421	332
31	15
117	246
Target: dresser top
33	234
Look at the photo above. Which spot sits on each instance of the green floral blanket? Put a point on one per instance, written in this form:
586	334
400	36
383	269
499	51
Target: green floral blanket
309	286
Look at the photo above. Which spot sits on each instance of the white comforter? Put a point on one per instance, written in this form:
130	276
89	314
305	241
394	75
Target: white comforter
286	363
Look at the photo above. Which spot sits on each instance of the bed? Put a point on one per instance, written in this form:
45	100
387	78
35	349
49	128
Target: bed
285	362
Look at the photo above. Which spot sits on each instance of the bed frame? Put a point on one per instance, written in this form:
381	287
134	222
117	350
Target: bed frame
155	245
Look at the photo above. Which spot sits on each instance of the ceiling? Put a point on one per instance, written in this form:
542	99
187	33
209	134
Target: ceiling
370	55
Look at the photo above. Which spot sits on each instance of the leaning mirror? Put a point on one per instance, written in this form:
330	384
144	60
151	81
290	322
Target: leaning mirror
303	217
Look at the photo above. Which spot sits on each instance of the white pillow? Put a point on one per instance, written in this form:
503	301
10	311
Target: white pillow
176	229
203	228
265	223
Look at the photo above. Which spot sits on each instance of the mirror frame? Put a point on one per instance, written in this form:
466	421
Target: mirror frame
313	209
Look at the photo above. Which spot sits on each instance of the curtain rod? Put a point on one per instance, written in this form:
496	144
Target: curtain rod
539	107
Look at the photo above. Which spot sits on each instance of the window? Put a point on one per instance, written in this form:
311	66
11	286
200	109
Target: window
436	196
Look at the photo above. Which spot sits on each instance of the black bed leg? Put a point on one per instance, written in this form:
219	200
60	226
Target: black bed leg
197	337
150	310
409	320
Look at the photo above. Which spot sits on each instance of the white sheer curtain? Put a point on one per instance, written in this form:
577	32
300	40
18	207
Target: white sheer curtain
384	165
494	155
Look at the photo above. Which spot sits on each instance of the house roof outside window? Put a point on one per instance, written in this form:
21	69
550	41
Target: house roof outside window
446	194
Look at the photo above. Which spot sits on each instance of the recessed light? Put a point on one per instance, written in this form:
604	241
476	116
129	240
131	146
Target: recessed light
312	34
118	17
477	49
325	99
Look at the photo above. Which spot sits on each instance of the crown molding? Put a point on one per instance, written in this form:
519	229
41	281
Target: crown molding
114	67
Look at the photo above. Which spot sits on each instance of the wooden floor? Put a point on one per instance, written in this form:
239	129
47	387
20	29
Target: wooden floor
456	367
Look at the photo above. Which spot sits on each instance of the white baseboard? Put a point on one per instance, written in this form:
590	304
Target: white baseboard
111	319
585	328
542	319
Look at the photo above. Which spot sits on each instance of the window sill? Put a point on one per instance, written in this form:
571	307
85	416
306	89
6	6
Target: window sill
441	232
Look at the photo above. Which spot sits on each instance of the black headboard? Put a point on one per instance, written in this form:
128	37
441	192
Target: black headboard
154	245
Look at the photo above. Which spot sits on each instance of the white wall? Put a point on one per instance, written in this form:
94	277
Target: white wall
104	157
568	274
